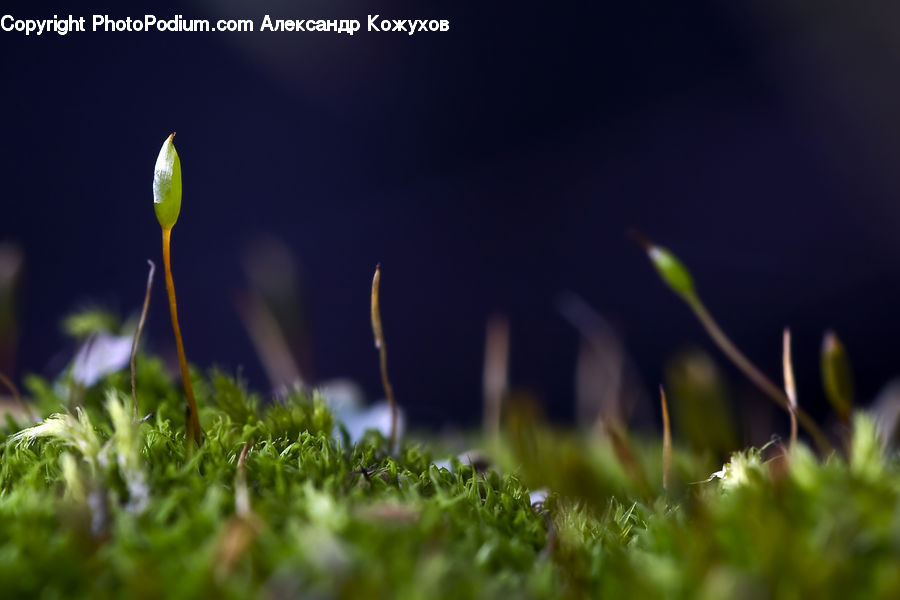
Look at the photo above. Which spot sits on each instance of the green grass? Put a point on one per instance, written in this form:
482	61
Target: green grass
92	505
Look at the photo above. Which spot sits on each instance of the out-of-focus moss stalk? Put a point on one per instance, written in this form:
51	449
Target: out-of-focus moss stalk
790	387
837	377
667	439
679	279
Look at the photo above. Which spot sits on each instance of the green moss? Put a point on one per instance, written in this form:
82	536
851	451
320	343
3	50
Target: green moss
92	505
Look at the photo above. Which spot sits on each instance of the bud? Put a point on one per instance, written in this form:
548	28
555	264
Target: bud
672	270
167	185
837	379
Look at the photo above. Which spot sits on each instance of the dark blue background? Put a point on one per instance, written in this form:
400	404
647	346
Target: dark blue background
488	168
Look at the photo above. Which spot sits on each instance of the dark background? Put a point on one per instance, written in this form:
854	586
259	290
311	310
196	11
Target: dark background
488	168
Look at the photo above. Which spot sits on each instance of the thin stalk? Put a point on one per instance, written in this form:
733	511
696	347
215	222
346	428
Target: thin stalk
241	493
496	373
790	387
753	373
626	456
137	336
667	439
837	378
193	421
268	339
6	381
378	332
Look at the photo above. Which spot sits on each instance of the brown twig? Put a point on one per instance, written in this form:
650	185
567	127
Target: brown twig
137	336
667	439
241	493
790	387
378	332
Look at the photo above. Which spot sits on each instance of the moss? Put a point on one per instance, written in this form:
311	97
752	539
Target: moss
92	505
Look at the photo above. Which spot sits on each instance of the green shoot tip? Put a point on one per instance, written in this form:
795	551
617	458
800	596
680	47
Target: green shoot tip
670	268
837	376
167	184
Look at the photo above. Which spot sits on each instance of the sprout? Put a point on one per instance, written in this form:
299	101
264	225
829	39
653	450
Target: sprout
672	270
837	378
167	204
676	275
669	267
167	185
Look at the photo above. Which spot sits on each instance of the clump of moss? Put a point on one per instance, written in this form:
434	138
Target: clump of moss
278	502
92	504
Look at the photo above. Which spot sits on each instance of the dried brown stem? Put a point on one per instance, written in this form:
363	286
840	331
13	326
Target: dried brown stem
667	439
241	493
137	336
378	332
790	387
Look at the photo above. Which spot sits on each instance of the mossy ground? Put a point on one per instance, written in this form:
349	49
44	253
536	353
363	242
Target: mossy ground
92	505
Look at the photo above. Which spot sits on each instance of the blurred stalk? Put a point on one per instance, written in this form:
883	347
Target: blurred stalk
268	340
11	262
667	439
496	372
837	376
790	387
274	310
701	411
606	387
678	278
